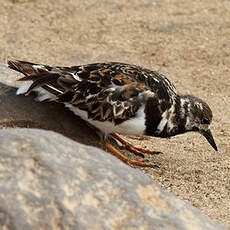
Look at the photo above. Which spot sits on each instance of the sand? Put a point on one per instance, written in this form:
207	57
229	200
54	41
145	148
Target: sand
188	41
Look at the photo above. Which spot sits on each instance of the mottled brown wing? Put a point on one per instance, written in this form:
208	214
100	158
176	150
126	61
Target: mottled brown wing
103	90
115	91
115	104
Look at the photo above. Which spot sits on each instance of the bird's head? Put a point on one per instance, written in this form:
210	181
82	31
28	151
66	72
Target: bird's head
198	117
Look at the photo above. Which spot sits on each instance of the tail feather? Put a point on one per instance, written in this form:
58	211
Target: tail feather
23	67
27	68
43	80
23	88
41	76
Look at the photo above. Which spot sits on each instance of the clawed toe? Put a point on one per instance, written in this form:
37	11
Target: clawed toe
117	153
139	151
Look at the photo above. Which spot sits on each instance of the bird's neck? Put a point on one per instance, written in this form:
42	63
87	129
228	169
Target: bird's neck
170	122
184	115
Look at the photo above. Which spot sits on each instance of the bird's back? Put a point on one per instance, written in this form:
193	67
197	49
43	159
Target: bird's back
111	91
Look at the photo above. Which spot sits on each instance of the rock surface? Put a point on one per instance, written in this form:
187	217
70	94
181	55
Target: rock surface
21	111
51	182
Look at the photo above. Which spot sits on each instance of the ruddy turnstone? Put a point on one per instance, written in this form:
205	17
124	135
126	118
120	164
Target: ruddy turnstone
119	98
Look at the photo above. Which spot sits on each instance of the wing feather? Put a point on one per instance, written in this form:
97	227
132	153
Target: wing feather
107	91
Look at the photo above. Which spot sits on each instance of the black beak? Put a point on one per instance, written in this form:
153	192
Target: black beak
208	135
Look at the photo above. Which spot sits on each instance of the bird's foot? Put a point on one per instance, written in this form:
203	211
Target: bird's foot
134	149
132	163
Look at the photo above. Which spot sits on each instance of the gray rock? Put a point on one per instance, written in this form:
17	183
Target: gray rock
22	111
48	181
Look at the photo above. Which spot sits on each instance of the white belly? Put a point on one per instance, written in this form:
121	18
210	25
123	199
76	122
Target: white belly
133	126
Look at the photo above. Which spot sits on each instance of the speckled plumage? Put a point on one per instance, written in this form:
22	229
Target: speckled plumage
117	97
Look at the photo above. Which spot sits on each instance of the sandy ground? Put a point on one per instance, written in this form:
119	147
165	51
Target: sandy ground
188	41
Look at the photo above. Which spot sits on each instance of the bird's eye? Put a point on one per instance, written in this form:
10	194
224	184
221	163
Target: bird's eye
205	121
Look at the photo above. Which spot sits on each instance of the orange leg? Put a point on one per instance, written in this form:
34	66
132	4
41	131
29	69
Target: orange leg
131	148
122	157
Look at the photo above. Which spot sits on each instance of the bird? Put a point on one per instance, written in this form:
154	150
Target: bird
118	98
